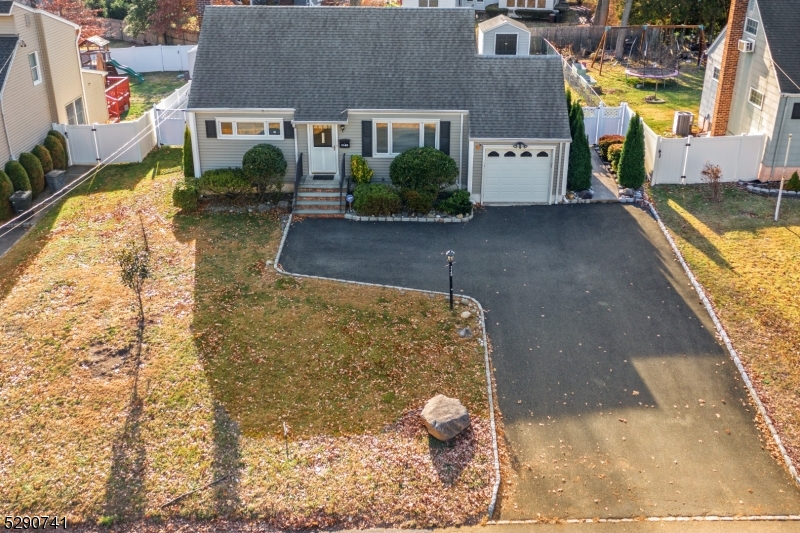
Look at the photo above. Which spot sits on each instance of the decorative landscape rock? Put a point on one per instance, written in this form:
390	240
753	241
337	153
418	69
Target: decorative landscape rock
465	333
444	417
466	314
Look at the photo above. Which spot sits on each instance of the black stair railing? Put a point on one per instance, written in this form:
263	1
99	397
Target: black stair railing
298	177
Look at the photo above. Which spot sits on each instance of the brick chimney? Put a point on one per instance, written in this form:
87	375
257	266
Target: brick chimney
727	71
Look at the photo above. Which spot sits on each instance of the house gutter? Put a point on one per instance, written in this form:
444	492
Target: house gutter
2	100
485	140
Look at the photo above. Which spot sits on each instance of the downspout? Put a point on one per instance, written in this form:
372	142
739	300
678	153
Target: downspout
2	101
191	119
469	166
461	152
777	140
86	115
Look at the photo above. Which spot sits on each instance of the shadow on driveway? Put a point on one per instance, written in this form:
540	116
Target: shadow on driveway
616	398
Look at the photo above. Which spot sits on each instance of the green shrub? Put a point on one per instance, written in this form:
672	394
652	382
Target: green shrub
630	170
6	190
457	203
793	184
416	201
423	169
376	199
34	170
43	155
360	169
18	176
56	150
606	141
185	196
532	14
225	181
265	167
63	140
614	153
579	173
188	158
492	10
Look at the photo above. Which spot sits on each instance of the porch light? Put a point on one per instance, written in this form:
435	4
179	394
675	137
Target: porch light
520	145
341	127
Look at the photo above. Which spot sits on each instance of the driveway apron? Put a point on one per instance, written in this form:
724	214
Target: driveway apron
617	400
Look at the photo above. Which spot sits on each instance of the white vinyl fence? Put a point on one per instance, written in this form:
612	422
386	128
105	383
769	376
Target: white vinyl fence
124	142
169	117
160	58
667	159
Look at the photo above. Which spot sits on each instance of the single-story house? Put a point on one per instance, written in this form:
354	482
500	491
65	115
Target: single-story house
377	82
41	79
503	36
752	81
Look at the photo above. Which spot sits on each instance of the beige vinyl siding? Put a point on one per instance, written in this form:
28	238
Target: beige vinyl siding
94	87
27	106
222	153
7	26
302	145
60	40
477	169
380	165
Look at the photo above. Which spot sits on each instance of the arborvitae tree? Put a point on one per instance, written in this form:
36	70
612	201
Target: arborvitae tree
188	157
579	174
34	170
6	190
630	170
18	176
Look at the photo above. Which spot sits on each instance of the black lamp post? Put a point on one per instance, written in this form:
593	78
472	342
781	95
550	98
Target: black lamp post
450	255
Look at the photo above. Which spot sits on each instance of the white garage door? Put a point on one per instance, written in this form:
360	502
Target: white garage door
516	176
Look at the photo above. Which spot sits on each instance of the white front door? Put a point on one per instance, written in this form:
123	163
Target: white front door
322	149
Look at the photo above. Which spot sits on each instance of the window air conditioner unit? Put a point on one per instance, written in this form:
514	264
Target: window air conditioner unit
746	45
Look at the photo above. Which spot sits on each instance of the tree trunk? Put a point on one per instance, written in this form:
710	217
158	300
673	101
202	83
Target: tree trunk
626	15
601	12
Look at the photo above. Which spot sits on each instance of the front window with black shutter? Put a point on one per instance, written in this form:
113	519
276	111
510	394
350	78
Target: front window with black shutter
393	137
505	44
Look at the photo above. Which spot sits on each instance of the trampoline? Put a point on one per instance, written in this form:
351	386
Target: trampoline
652	73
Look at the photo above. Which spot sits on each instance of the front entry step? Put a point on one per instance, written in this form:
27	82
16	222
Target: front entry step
319	198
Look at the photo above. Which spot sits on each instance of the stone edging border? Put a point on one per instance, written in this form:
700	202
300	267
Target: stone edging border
728	344
709	518
771	192
279	269
396	218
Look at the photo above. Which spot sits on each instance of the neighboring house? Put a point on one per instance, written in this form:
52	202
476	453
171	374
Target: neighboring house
369	85
502	36
752	80
548	5
41	80
480	5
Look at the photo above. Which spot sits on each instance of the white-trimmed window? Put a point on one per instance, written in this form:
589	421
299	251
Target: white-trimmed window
756	97
751	26
36	72
242	128
76	114
393	137
715	73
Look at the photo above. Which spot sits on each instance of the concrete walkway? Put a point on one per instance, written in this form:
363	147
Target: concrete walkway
603	182
17	230
617	400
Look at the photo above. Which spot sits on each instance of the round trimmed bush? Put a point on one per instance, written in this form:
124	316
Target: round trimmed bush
6	190
225	181
18	176
606	141
56	150
63	140
793	184
34	170
185	196
614	154
423	169
43	155
265	167
457	203
416	201
376	199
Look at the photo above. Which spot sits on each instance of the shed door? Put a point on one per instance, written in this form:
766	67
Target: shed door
516	176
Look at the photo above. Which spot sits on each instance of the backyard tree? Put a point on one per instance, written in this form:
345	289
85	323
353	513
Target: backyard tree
188	157
77	12
134	267
579	175
265	166
630	170
712	174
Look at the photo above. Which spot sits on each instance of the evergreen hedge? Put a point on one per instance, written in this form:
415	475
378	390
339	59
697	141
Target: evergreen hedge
43	155
579	175
18	176
6	190
606	141
56	150
63	140
376	199
34	170
630	170
224	181
188	157
185	196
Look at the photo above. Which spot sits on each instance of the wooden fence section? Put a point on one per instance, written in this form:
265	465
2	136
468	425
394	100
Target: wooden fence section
115	30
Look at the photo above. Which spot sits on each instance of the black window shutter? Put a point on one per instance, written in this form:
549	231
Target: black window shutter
444	137
796	111
211	129
366	138
288	129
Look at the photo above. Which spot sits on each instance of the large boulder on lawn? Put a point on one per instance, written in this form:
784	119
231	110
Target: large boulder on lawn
444	417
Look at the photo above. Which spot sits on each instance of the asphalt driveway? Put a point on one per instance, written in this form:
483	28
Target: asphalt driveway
616	397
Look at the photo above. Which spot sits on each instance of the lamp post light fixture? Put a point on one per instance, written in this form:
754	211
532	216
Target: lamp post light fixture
450	255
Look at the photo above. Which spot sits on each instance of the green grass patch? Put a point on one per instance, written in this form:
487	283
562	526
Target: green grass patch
155	87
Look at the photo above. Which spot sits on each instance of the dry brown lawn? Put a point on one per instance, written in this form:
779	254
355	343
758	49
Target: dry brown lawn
105	425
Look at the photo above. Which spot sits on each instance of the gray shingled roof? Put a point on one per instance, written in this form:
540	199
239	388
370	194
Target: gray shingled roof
5	7
781	20
496	22
323	61
8	43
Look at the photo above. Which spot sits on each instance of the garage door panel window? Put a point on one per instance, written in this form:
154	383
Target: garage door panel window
509	154
394	138
494	154
542	154
526	154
